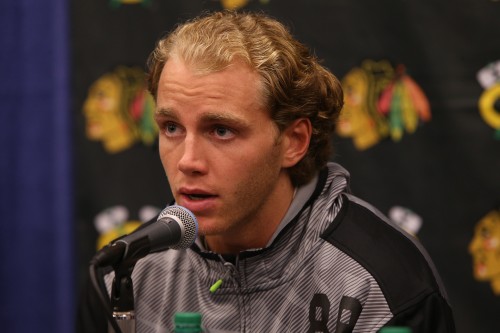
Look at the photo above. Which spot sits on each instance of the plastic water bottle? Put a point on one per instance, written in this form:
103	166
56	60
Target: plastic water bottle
187	322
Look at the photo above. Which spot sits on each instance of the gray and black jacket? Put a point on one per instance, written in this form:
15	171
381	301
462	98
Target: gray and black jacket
335	264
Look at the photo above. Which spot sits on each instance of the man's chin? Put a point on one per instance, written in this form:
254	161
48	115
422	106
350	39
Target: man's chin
208	230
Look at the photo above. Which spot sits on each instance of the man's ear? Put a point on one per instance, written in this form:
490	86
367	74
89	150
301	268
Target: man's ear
296	139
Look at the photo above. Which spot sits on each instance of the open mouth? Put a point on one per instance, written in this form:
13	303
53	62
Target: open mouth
198	196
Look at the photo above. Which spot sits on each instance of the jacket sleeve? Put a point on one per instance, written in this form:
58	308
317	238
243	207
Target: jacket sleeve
432	314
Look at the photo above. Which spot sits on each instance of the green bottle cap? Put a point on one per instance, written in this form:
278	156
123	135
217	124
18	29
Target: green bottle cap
187	322
395	329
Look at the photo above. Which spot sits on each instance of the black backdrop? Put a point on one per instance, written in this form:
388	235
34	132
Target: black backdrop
447	171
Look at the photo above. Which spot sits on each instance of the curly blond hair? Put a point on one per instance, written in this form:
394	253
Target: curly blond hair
295	84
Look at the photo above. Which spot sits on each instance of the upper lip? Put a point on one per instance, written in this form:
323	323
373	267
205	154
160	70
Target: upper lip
194	191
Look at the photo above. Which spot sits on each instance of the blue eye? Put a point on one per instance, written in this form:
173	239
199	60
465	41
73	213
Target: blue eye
170	128
221	131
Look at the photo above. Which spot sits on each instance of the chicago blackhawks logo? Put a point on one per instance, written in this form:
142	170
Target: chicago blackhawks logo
489	102
237	4
114	222
119	110
118	3
406	219
485	250
380	101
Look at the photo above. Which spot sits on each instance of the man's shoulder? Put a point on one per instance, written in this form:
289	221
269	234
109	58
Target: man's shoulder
397	261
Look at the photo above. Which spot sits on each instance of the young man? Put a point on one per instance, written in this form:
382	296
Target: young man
246	116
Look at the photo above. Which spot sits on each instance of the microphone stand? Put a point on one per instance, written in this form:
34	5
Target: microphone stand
122	299
122	291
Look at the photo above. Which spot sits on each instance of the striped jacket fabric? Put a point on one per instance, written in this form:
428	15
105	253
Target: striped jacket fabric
337	265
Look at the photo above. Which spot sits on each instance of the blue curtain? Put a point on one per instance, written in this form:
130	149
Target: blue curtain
36	219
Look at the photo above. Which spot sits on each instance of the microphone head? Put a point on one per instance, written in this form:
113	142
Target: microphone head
187	222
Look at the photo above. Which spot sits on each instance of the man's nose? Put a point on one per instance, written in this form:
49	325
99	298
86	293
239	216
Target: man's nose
193	159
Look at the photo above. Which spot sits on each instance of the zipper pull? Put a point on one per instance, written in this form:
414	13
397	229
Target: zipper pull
216	285
219	282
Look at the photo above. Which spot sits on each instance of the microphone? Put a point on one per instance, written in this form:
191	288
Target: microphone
176	228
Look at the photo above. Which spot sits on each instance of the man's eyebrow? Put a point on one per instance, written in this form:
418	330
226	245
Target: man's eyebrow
208	117
165	112
223	117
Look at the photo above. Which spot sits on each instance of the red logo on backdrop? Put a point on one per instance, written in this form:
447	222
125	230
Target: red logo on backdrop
119	111
380	101
485	250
